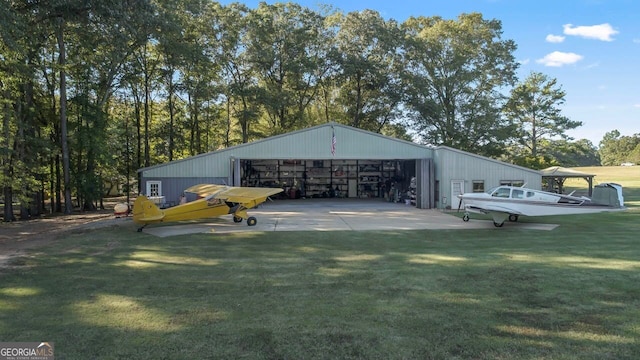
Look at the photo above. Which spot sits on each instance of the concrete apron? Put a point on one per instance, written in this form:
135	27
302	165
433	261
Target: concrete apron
334	215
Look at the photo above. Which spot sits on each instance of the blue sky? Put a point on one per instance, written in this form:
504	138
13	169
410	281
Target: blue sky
592	47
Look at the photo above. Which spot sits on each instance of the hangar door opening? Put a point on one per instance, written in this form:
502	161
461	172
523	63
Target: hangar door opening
426	186
392	180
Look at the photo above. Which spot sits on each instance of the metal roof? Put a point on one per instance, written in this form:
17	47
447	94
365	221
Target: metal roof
480	157
314	143
559	171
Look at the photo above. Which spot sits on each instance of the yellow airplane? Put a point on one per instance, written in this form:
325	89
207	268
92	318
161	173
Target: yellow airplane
217	200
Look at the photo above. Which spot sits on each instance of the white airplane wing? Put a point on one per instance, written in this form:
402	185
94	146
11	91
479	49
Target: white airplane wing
499	213
494	208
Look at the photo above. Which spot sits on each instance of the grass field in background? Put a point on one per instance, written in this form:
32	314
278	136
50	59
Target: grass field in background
624	175
501	293
627	176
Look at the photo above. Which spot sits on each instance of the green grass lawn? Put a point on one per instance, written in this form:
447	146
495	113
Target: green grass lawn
570	293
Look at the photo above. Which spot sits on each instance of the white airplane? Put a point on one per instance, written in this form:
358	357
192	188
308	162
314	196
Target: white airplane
508	202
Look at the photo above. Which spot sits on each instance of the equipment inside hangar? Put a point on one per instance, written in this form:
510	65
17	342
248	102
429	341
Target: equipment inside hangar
393	180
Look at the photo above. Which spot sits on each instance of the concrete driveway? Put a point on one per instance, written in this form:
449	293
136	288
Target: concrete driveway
334	215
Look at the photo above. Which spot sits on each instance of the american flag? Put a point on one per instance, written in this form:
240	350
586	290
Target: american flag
333	141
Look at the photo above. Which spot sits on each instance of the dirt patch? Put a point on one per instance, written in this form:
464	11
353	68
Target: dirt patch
19	236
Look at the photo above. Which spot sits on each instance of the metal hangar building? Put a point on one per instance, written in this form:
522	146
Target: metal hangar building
338	161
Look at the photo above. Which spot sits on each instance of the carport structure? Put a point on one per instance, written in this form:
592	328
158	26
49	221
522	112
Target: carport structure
555	177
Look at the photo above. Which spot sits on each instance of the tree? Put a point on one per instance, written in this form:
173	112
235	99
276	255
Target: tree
63	54
573	153
368	82
23	141
199	74
285	47
616	149
534	107
66	165
238	80
554	153
455	70
95	71
173	19
148	64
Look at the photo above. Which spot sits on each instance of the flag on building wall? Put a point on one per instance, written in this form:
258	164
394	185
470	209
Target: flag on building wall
333	141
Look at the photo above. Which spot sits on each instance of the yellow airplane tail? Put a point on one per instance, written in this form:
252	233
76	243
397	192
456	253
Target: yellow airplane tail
145	211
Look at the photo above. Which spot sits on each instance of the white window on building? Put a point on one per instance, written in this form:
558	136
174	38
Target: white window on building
478	186
517	183
154	188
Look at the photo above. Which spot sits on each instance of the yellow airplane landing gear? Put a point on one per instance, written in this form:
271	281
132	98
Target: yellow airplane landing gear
242	214
251	221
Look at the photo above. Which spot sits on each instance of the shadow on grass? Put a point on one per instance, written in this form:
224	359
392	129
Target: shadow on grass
115	293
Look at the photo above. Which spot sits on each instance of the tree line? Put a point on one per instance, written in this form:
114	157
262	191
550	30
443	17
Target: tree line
91	91
616	149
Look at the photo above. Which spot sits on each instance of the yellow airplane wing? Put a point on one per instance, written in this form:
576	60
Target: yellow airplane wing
241	195
203	190
245	195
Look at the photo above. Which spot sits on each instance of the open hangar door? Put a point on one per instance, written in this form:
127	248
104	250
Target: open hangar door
392	180
426	184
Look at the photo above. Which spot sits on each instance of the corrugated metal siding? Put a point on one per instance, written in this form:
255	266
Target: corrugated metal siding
315	143
172	188
310	144
454	164
211	165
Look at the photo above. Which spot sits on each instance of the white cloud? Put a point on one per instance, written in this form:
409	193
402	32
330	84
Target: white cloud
554	38
599	32
558	59
524	62
636	105
591	66
637	41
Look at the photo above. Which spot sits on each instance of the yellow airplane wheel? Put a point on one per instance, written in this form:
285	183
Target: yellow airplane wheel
237	219
251	221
